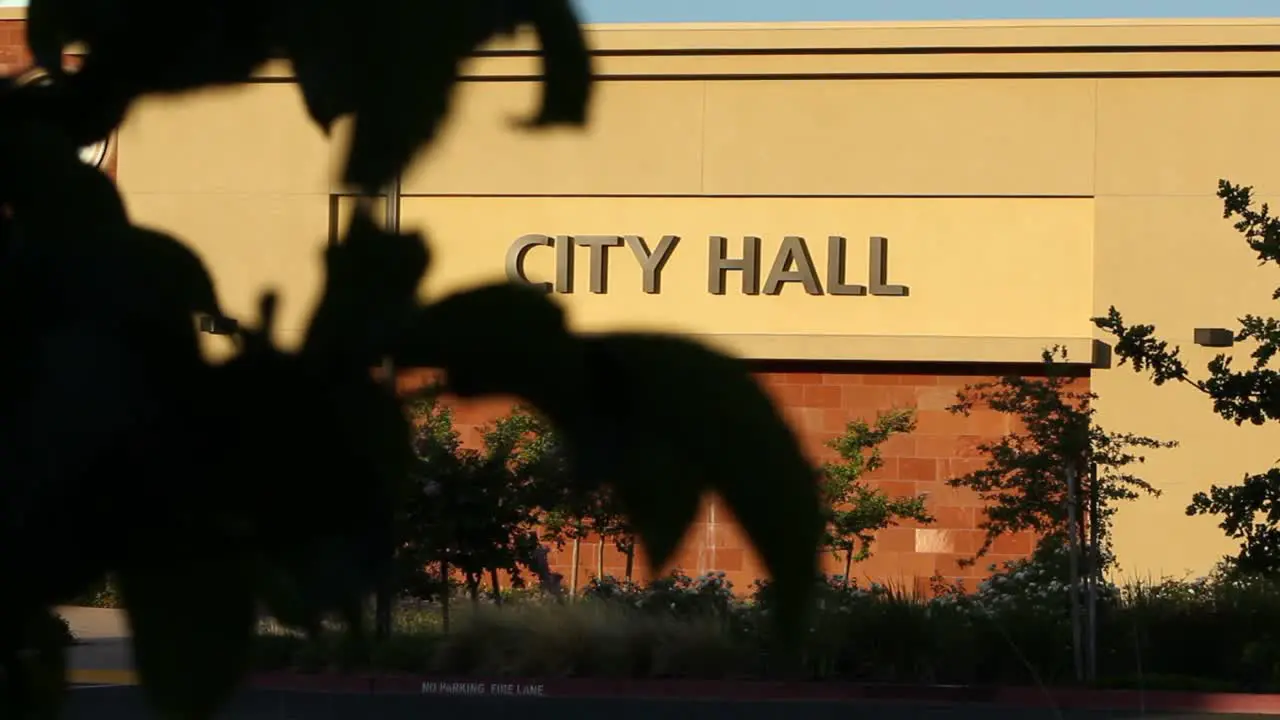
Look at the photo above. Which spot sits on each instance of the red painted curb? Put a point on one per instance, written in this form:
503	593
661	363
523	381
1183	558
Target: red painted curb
1038	698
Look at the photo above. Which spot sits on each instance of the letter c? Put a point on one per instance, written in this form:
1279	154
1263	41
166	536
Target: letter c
515	260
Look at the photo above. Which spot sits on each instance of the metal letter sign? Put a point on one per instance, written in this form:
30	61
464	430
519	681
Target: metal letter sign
793	264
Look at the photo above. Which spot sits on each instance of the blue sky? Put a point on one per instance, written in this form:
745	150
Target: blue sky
812	10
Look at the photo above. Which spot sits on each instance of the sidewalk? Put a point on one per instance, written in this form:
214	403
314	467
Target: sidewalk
102	655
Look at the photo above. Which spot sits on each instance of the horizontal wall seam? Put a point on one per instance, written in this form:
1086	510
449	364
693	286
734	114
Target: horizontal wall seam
900	50
1082	350
744	196
818	76
1051	75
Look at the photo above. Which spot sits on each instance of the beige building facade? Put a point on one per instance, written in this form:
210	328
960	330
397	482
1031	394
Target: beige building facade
872	214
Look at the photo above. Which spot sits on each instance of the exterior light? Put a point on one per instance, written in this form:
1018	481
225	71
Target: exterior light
94	155
218	325
1101	356
1214	337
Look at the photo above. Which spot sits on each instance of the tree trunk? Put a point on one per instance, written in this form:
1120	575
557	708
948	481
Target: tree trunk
574	558
386	582
444	595
631	560
382	608
1095	574
473	587
600	560
1082	527
493	583
1073	548
848	565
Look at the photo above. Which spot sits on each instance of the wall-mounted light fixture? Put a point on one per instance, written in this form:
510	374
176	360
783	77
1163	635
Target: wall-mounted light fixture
1101	355
218	325
1214	337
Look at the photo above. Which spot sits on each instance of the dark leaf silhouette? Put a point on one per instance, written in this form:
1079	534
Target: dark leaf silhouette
135	47
33	683
371	287
712	421
662	439
311	507
407	67
179	608
566	61
275	478
318	37
502	339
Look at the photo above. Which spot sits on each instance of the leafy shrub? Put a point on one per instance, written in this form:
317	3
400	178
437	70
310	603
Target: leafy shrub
102	595
1040	582
62	630
609	588
1223	625
1014	628
589	638
708	595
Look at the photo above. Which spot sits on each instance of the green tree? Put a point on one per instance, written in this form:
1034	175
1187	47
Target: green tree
856	511
1025	484
574	510
474	510
424	534
511	447
624	539
1250	510
293	463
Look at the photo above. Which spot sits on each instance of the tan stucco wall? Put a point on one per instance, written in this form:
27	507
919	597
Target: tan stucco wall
1027	175
941	267
1165	256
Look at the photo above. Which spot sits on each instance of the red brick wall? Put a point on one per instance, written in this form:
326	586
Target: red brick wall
13	47
818	402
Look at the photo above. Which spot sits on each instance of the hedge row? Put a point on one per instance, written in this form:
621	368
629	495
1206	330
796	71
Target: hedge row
1214	633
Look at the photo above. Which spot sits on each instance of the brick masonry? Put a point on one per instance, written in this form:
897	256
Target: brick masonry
818	402
13	47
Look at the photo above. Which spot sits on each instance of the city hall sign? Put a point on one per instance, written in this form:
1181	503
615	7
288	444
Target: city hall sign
793	264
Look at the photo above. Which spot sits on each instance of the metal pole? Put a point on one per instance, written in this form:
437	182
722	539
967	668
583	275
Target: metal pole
1077	648
392	220
1095	569
386	588
446	593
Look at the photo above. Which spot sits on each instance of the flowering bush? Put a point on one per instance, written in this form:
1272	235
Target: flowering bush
611	588
710	594
1038	584
677	594
833	597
